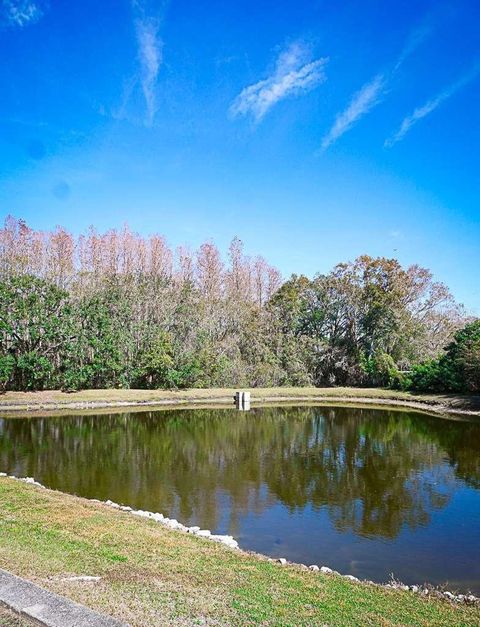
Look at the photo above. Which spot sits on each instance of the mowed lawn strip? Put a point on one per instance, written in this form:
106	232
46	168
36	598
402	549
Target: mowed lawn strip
151	575
51	400
10	619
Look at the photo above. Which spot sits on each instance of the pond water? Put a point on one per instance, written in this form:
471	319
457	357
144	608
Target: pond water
366	492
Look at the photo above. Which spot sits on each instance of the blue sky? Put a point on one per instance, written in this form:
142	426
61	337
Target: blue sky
315	131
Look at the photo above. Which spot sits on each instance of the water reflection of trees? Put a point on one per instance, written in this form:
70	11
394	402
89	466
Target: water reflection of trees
373	471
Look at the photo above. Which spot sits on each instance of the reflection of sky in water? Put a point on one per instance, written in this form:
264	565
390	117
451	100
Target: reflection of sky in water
366	492
413	556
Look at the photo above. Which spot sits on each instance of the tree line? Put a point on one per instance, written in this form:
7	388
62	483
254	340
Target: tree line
120	310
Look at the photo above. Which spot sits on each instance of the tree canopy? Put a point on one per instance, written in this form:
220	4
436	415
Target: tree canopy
120	310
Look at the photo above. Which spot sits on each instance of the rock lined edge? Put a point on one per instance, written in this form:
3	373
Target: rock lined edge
425	590
171	523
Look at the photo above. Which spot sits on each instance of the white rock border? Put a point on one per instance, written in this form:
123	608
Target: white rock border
425	590
159	518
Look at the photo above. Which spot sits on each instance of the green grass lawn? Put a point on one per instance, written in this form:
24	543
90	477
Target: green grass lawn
151	575
9	619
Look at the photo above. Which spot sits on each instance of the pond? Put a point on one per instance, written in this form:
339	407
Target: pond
367	492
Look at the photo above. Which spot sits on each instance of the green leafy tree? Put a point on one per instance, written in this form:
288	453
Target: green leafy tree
458	370
461	362
381	370
36	331
156	365
7	369
99	357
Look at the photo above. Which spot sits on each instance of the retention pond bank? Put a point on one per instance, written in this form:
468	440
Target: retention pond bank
367	492
14	403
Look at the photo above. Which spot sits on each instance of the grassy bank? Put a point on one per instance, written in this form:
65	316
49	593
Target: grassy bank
9	619
91	399
151	575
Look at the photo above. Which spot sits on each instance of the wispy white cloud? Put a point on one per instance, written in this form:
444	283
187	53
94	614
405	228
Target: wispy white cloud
147	19
421	112
372	92
150	56
362	102
416	38
20	13
294	73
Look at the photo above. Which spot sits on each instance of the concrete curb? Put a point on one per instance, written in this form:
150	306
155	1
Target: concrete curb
47	608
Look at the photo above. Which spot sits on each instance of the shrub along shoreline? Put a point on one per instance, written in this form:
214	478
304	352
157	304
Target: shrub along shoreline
18	403
146	573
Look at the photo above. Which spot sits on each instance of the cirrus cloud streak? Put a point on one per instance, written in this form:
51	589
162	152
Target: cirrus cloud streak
421	112
294	73
150	56
364	100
